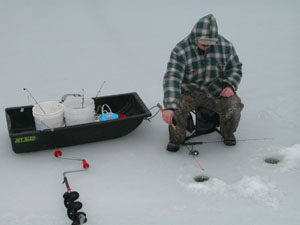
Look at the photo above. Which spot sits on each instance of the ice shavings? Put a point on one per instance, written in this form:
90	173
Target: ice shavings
288	159
291	158
213	185
254	187
258	189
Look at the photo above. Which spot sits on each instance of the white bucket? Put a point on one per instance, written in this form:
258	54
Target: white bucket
76	113
53	116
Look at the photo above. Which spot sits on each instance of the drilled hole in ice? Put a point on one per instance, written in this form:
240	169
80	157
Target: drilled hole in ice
201	178
272	160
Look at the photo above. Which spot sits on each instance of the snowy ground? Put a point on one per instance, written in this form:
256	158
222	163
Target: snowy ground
57	47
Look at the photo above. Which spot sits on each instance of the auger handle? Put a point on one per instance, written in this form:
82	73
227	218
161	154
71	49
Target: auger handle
85	165
57	153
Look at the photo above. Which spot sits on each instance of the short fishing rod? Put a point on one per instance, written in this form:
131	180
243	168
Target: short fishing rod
25	89
100	89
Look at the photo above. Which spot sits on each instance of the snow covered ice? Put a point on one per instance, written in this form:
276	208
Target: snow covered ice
57	47
288	158
255	188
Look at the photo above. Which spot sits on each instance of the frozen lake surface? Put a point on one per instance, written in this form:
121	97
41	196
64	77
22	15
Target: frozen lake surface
58	47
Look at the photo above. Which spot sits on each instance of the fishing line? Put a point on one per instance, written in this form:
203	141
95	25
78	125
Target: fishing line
195	154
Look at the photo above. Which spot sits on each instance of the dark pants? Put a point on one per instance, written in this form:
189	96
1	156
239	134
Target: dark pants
229	110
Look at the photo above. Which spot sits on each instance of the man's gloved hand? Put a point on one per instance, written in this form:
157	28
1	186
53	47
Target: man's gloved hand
227	92
167	116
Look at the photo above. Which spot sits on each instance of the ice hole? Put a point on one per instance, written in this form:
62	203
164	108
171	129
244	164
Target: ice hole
272	160
201	179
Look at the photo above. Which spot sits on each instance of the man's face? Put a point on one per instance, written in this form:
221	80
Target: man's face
202	47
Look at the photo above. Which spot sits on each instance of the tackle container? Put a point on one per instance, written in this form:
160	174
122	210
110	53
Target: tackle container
25	138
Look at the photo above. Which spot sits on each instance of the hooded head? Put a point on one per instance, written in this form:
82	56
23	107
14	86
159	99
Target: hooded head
205	31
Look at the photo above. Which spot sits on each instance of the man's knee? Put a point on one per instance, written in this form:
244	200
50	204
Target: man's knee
231	106
184	107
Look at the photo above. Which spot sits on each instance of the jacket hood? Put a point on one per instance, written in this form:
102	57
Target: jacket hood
205	28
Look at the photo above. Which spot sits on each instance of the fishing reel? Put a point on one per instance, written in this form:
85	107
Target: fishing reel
73	207
194	153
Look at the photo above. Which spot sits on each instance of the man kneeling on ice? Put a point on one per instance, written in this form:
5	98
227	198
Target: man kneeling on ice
204	70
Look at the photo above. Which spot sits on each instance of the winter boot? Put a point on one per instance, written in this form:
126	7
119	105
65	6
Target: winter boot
229	140
172	147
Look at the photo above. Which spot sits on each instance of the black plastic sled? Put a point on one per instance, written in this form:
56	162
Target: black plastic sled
25	138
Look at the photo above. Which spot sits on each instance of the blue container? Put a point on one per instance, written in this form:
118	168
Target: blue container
105	117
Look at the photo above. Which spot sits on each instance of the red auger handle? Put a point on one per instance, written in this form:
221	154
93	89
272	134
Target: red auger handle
57	153
85	164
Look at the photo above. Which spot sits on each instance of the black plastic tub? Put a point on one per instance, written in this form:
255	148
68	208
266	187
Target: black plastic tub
25	138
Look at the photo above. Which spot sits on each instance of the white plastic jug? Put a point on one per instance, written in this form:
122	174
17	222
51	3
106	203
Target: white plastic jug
50	116
78	113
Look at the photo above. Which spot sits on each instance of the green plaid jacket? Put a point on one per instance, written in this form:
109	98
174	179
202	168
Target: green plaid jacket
210	71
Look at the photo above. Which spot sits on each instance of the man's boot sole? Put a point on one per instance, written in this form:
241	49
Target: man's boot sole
171	148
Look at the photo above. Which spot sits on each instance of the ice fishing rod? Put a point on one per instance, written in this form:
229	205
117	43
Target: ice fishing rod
25	89
195	155
192	152
211	142
100	89
70	196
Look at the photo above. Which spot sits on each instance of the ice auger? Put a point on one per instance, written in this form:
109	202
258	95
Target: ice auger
71	197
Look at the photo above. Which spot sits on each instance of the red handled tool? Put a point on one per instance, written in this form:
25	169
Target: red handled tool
69	196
